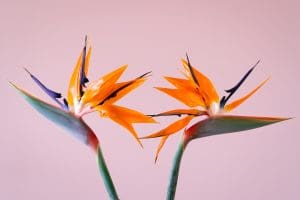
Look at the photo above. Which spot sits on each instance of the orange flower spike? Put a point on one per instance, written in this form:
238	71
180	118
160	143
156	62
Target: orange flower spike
215	121
199	93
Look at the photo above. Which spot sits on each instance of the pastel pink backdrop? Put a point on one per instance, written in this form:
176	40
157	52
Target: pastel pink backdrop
38	160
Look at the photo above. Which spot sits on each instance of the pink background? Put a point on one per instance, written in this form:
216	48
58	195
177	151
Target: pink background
38	160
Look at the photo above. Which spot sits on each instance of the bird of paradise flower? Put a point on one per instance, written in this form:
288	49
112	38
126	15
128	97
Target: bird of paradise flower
198	93
84	97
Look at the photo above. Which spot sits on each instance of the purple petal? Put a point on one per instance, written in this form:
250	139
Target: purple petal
54	95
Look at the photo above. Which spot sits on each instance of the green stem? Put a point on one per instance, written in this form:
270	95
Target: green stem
175	170
109	185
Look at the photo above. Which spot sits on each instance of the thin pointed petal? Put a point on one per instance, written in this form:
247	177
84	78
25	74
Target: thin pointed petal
180	112
236	87
160	146
131	116
206	87
125	117
229	124
172	128
74	84
85	67
48	91
113	76
186	97
185	86
237	102
82	70
191	71
52	94
87	61
122	89
180	83
75	126
100	89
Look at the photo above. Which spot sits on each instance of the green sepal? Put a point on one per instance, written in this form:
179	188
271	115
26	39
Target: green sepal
74	125
228	124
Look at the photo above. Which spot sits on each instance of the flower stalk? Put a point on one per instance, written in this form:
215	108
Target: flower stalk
198	93
173	179
109	185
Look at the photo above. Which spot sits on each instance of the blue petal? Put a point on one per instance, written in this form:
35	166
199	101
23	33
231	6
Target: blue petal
54	95
83	78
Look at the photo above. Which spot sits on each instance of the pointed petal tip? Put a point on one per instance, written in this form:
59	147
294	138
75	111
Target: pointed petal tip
239	101
144	137
11	83
123	67
27	71
183	60
155	159
255	65
16	87
152	120
145	75
279	119
229	124
76	126
140	143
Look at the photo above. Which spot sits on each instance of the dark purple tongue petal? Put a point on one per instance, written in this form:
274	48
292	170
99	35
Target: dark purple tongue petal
236	87
191	70
83	78
54	95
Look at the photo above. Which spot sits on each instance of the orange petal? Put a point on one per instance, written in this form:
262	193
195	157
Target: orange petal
206	88
87	61
160	146
188	98
236	103
131	116
180	83
180	112
125	117
186	87
172	128
123	88
74	84
100	89
114	75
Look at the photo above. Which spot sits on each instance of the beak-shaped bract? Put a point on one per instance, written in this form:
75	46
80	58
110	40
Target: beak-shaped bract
74	125
228	124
